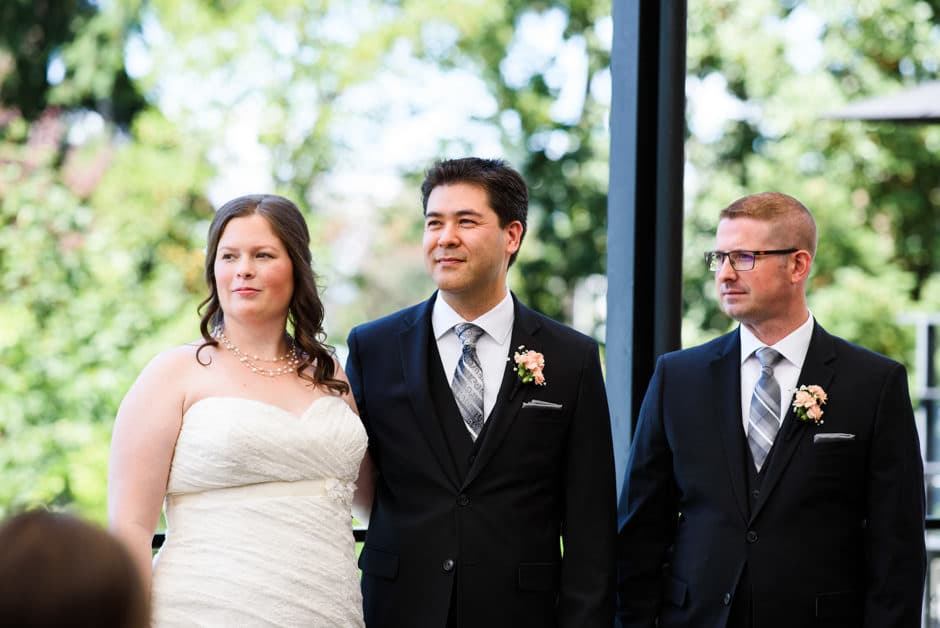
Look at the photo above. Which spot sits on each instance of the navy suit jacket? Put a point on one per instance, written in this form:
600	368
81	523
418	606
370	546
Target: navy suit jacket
834	536
541	473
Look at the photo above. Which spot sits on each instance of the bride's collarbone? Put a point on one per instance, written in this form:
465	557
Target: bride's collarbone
290	393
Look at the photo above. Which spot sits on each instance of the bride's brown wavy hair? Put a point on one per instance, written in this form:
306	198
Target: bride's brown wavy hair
305	312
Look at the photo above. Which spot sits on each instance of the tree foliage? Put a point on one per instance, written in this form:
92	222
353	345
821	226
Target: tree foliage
100	200
42	39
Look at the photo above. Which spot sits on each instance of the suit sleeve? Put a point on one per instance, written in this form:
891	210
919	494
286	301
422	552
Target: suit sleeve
648	513
894	542
589	527
354	374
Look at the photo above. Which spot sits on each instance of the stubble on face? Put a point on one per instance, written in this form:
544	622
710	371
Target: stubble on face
741	293
768	299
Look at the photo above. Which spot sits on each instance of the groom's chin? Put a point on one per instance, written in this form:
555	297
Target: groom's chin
447	279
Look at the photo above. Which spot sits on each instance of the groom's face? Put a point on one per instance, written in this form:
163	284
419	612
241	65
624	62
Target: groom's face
466	251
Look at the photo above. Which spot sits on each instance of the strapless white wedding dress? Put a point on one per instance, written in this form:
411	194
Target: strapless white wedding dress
258	513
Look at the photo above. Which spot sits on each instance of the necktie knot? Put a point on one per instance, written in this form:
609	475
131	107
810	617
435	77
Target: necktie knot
468	333
768	359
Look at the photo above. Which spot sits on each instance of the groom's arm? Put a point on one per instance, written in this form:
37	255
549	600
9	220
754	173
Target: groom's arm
589	529
365	482
354	375
894	539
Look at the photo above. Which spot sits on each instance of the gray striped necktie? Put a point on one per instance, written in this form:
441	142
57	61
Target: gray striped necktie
468	378
764	415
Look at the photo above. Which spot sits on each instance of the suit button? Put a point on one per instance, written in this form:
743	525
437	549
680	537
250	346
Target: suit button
472	458
726	599
463	500
751	536
448	565
755	493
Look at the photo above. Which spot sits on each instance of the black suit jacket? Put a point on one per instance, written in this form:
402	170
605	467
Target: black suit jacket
833	537
487	542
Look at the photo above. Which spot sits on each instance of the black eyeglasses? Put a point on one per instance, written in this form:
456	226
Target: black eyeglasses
740	260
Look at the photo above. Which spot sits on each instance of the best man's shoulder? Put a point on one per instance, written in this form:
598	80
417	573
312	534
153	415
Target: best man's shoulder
863	358
705	352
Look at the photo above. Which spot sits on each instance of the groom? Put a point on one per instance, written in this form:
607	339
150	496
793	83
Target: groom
485	466
751	503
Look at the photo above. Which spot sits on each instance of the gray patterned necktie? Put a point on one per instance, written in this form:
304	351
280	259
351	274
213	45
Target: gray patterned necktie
764	415
468	378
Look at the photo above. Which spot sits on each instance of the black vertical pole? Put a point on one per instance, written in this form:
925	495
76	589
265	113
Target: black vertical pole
929	399
644	272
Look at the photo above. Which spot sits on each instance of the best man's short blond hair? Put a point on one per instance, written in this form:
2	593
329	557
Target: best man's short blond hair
789	216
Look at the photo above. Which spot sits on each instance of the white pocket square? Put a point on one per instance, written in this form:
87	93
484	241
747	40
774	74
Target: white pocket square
538	403
832	437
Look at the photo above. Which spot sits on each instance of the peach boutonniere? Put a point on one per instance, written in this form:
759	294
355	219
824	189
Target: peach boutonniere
529	365
807	403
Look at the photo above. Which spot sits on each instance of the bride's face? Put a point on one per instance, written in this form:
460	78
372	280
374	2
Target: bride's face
253	272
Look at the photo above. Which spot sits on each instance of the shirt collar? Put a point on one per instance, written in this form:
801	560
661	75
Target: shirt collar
793	347
497	323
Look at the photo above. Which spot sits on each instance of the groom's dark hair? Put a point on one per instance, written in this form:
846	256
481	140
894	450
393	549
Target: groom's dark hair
505	188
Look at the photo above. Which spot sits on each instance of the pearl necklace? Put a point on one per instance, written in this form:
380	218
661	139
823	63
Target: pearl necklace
290	359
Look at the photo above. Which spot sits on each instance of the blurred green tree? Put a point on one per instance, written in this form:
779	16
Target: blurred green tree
67	53
100	200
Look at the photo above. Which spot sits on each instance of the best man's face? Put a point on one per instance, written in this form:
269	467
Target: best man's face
763	293
466	251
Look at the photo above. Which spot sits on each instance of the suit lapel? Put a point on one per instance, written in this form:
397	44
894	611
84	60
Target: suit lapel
726	367
509	400
816	370
414	343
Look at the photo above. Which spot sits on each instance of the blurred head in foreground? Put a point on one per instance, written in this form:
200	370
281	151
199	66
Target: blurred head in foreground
57	570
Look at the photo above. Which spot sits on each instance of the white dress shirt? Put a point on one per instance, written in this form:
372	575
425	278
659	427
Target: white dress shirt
793	348
492	347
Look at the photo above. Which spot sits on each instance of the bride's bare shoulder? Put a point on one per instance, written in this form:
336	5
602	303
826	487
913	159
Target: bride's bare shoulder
184	357
170	376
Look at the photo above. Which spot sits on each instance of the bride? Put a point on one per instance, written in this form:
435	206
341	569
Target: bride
250	439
